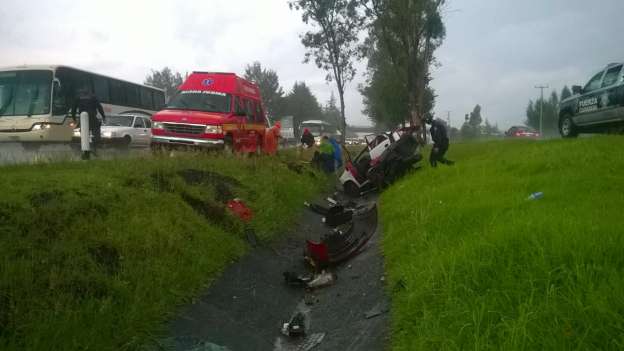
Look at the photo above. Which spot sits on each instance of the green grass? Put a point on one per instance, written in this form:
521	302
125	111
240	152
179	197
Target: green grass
472	264
97	255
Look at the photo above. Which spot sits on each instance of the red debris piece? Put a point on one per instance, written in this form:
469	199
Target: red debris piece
318	252
238	208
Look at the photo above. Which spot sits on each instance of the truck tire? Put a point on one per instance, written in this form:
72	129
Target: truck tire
567	129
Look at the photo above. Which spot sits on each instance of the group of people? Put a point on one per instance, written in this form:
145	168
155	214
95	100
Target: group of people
328	157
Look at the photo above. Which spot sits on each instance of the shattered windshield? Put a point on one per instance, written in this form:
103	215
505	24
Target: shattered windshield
197	100
25	93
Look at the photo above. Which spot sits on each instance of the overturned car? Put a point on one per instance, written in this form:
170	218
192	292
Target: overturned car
386	158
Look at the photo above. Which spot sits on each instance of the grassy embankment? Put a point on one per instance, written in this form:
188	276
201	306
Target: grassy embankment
97	255
473	264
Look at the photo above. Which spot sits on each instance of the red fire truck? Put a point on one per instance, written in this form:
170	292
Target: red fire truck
218	110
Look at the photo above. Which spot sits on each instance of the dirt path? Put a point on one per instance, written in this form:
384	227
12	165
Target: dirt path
246	307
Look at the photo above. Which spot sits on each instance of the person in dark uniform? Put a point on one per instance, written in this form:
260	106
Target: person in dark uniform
440	142
307	139
87	102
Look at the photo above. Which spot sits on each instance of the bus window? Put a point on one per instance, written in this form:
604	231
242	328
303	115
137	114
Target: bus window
159	100
118	97
32	96
146	99
101	89
132	93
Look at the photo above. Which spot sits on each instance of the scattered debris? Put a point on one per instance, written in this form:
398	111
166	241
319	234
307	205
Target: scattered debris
251	236
306	344
378	310
295	279
310	299
344	241
321	280
239	209
296	327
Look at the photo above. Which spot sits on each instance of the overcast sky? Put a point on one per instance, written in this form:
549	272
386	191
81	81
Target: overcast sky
495	52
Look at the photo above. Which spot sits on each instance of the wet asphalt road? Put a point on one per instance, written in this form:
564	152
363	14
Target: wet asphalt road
246	307
16	153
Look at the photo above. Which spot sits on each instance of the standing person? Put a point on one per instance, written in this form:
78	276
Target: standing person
326	151
87	102
307	139
271	137
440	142
337	152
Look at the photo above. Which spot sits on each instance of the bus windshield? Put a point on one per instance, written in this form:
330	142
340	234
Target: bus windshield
25	93
316	130
205	101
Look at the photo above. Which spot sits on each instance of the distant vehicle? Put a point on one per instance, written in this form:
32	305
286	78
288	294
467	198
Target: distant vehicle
35	101
596	107
385	158
522	132
213	110
124	130
288	128
318	128
352	141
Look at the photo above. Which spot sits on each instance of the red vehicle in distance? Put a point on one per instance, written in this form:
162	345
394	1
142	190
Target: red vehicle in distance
212	110
522	132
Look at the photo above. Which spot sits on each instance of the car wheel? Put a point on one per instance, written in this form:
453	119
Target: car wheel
351	189
228	145
567	129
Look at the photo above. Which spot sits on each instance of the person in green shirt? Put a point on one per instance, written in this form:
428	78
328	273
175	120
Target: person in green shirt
326	150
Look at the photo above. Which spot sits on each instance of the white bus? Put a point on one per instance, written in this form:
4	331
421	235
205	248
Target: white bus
36	101
318	128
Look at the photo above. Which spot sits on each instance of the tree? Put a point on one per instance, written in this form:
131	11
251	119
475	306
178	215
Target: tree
301	104
550	117
331	113
165	79
565	93
386	99
268	83
334	43
490	129
475	117
410	30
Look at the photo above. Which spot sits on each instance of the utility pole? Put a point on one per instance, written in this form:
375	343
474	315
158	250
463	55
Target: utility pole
541	88
448	118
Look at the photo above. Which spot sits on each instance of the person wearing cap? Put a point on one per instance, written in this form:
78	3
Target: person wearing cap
440	142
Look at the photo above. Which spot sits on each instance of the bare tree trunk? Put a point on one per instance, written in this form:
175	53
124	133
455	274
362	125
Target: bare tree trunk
343	120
